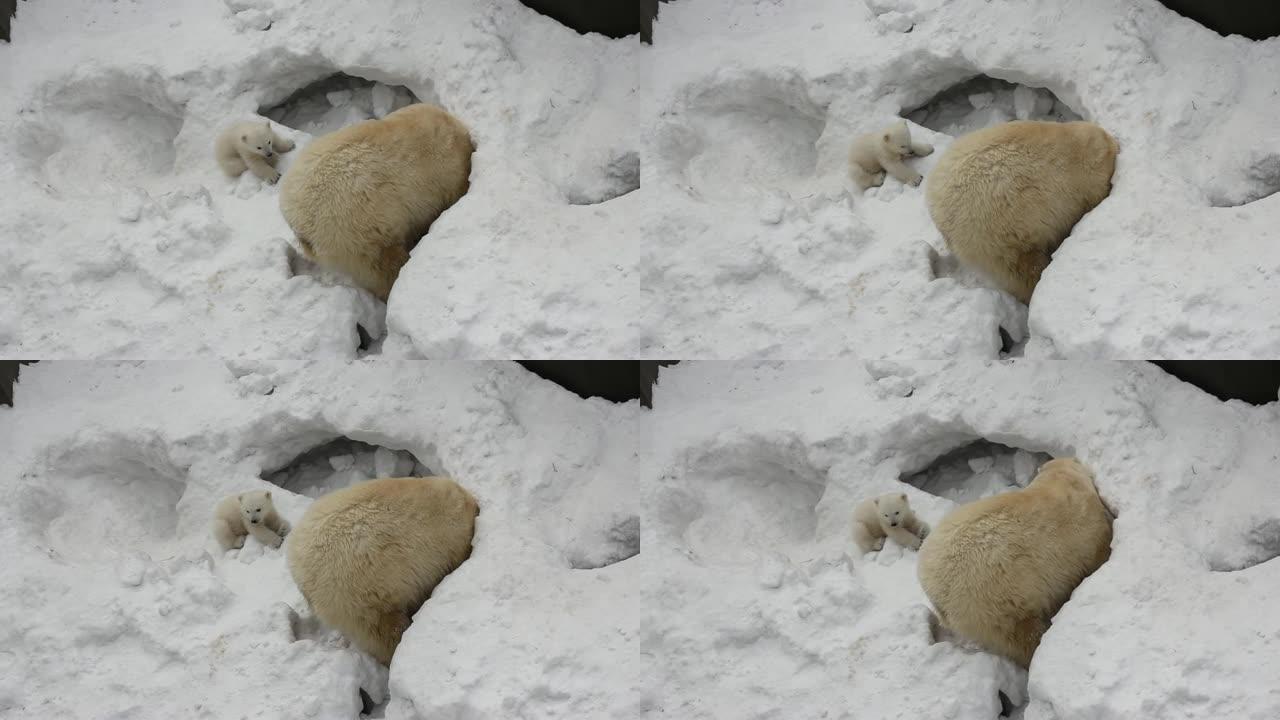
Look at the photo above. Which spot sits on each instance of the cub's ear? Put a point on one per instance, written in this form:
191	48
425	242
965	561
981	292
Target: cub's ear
245	138
267	123
886	137
876	502
240	497
903	496
268	494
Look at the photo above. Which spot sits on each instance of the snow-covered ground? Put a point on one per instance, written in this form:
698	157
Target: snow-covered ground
764	609
121	238
116	603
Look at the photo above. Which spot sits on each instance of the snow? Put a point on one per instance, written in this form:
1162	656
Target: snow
687	199
116	601
767	610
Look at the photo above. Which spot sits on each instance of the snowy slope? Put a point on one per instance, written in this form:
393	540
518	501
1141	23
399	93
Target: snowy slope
761	249
766	610
121	238
116	603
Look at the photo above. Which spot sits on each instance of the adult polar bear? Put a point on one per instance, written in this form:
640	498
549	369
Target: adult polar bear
368	556
998	569
1005	197
360	198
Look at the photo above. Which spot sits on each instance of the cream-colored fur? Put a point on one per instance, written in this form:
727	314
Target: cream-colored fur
874	154
360	198
998	569
251	146
366	557
251	513
1005	197
889	515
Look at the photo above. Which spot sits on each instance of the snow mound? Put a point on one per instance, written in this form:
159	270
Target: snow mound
810	627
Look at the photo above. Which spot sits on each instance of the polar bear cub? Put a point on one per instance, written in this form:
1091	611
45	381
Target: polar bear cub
251	146
887	516
251	513
874	154
368	556
998	569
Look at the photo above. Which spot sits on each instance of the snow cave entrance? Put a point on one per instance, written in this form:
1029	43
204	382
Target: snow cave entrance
342	462
983	101
976	470
339	100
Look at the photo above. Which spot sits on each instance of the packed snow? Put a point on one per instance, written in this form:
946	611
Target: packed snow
744	238
765	609
117	603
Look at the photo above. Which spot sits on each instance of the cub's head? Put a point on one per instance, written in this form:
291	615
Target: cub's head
898	138
255	505
893	509
257	139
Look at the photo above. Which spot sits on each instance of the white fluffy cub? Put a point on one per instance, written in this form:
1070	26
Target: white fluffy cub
251	513
876	153
887	516
252	146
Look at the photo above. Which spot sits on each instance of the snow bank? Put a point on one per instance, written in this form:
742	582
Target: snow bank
761	250
122	238
112	582
765	608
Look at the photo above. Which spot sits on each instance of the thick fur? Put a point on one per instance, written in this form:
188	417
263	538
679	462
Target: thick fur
998	569
874	154
366	557
251	513
890	515
251	146
360	198
1005	197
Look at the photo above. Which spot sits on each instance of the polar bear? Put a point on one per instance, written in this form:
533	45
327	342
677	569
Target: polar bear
874	154
251	513
1005	197
360	198
888	515
366	557
998	569
251	146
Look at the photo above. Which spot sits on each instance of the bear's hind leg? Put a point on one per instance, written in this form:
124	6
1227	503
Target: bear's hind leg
1022	640
1024	274
383	637
863	179
233	166
864	540
227	538
382	269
